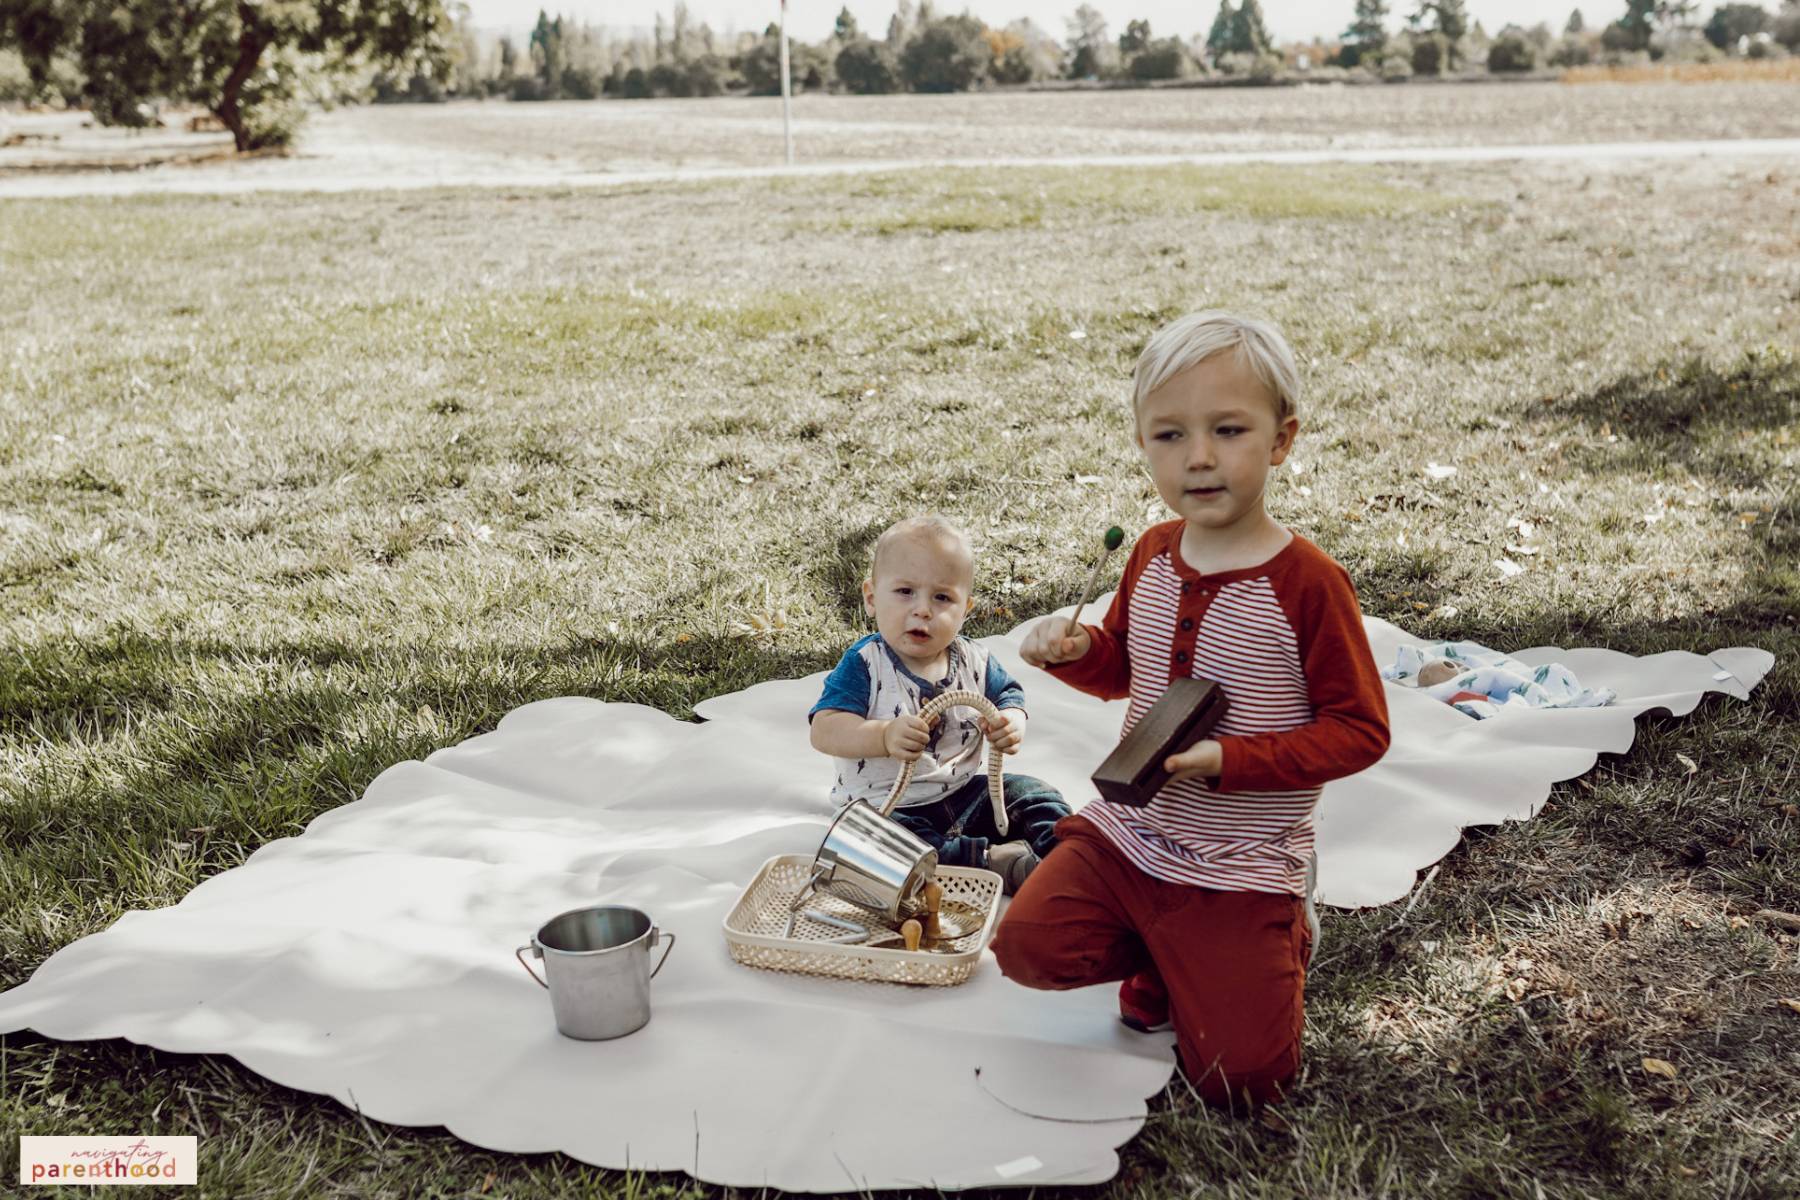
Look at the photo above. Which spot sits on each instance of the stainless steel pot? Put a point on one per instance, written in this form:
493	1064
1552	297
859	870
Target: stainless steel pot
597	961
874	862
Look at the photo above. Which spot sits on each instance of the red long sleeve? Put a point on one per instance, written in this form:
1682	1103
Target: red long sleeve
1349	730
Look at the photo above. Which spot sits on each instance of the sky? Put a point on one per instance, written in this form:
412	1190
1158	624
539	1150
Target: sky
811	20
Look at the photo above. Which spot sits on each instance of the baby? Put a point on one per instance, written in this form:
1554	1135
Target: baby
920	590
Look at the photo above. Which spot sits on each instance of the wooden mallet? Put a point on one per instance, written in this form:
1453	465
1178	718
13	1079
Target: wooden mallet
1115	537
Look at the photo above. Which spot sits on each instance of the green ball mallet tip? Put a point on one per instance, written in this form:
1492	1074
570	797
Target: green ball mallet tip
1115	537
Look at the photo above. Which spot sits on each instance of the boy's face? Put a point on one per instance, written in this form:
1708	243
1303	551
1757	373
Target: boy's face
1210	436
919	597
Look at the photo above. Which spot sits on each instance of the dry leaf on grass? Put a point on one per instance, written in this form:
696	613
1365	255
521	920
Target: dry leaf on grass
1790	1003
1659	1066
1688	763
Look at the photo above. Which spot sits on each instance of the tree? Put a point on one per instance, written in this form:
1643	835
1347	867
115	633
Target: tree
1576	24
246	62
1633	30
900	25
1088	45
547	53
1430	54
1448	17
1218	38
1248	33
1733	21
868	68
1450	20
1164	58
1024	53
1367	32
1135	38
681	34
1787	26
1512	51
846	30
760	65
949	54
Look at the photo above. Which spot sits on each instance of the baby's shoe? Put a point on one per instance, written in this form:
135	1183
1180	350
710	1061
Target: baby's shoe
1013	862
1144	1002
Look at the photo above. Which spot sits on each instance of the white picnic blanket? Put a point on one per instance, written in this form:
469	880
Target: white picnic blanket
370	958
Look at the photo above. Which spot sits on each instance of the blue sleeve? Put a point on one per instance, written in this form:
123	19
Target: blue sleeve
847	687
1002	689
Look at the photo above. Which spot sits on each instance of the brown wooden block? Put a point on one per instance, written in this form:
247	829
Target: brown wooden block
1133	773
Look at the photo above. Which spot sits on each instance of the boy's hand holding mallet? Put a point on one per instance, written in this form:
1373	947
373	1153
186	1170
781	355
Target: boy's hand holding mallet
1054	641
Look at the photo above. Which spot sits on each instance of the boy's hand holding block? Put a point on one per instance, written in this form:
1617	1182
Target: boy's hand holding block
1133	773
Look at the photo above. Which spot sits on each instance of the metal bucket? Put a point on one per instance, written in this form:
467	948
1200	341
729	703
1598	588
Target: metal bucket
598	964
871	861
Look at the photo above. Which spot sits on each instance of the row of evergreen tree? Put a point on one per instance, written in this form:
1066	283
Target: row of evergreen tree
924	50
1440	35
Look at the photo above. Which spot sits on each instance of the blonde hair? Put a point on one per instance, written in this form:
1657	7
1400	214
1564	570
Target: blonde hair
1189	341
930	525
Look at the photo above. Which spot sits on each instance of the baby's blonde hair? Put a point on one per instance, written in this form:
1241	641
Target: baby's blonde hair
931	524
1188	341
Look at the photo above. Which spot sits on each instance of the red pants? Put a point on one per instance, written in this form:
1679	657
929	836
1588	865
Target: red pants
1233	962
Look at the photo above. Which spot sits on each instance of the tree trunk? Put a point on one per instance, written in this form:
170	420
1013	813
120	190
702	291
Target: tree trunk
251	44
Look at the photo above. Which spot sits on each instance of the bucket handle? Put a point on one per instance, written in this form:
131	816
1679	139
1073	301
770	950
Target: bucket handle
805	894
669	940
996	789
655	934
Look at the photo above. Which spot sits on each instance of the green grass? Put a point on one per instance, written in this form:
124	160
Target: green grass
1068	199
293	488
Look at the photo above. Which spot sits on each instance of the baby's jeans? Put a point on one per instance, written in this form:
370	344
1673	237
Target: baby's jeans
960	827
1233	962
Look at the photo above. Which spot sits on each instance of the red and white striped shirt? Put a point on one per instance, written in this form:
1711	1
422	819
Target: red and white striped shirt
1285	641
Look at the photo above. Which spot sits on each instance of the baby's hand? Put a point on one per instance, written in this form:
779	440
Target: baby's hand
1045	644
905	737
1006	734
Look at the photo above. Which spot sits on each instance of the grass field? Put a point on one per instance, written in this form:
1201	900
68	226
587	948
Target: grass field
295	488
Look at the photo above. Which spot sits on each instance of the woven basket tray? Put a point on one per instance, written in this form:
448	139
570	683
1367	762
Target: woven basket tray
753	929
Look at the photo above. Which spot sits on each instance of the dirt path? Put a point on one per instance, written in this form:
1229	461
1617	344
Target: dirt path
396	173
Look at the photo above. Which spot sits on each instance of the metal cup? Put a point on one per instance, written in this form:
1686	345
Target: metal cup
871	861
597	961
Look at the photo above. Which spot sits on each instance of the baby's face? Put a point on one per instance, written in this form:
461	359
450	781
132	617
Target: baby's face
919	596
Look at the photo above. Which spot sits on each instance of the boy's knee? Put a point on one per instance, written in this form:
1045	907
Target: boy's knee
1236	1088
1041	956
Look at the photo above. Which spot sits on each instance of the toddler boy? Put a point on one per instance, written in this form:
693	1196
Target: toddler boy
920	590
1200	901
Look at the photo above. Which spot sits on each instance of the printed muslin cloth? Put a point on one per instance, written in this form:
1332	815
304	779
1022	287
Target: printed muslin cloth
1490	681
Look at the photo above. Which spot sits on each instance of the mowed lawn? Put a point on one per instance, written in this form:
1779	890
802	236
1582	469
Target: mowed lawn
294	488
